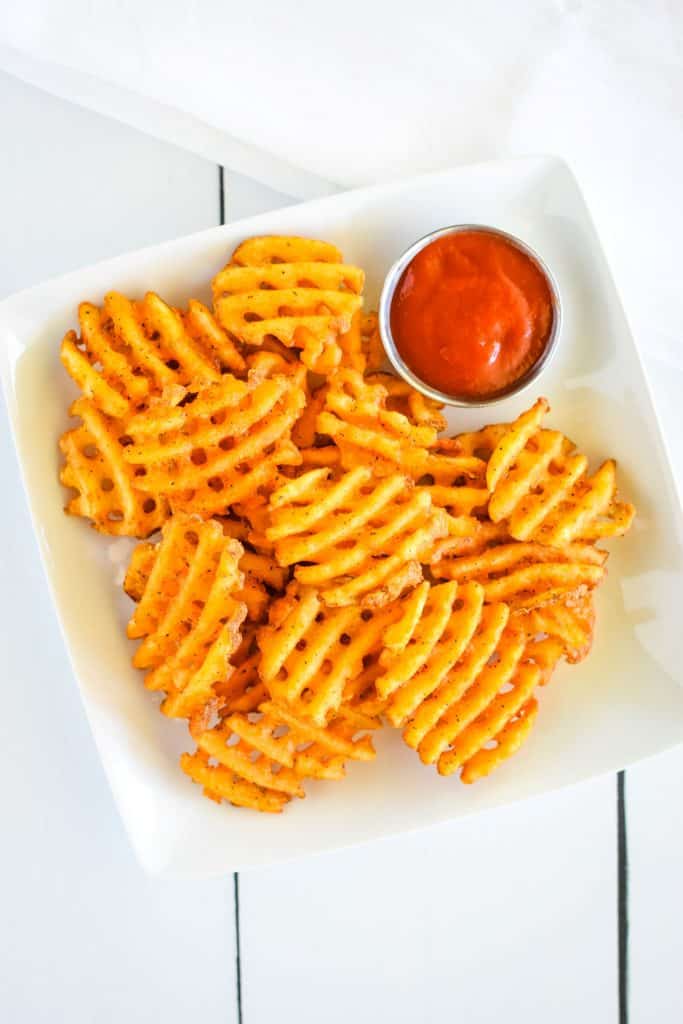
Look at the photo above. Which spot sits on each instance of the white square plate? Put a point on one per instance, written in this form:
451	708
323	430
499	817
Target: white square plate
623	703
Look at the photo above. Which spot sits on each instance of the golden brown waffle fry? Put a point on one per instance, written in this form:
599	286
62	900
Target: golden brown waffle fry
570	621
264	579
455	481
310	653
218	446
106	486
539	485
468	535
460	678
361	346
435	627
525	575
371	342
382	422
505	743
262	763
130	352
360	693
366	432
360	539
304	431
403	398
295	290
187	615
243	690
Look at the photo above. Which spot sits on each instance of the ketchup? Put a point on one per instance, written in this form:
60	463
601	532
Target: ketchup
471	314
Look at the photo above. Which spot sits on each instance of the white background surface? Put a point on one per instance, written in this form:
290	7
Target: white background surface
515	912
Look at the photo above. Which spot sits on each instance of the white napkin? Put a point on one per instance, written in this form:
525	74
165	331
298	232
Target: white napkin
305	96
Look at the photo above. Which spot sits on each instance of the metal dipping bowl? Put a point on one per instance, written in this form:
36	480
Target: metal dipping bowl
394	276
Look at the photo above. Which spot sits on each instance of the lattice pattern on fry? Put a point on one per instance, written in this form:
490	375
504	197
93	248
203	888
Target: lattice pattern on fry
381	422
355	538
525	575
130	352
310	653
260	760
219	446
187	616
455	481
436	625
459	677
478	698
295	290
403	398
365	430
540	487
106	486
263	578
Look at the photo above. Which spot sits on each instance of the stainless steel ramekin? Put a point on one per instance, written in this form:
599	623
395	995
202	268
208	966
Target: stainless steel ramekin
389	288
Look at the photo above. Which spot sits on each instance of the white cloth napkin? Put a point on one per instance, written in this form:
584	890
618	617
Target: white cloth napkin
308	97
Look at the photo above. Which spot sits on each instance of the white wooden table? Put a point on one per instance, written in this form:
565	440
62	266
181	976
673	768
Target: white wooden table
566	908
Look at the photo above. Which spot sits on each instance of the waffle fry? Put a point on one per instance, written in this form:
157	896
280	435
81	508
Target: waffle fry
242	690
129	352
456	482
361	346
295	290
361	539
436	626
539	485
106	486
525	575
456	705
381	422
458	675
187	616
570	621
310	653
263	578
262	764
224	446
401	397
357	419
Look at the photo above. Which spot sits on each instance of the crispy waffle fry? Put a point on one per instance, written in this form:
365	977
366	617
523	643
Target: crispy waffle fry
504	744
260	761
357	419
570	621
525	575
187	616
105	484
295	290
129	352
223	446
361	346
455	481
242	690
403	398
436	625
382	422
310	653
468	535
361	539
459	677
539	485
263	578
